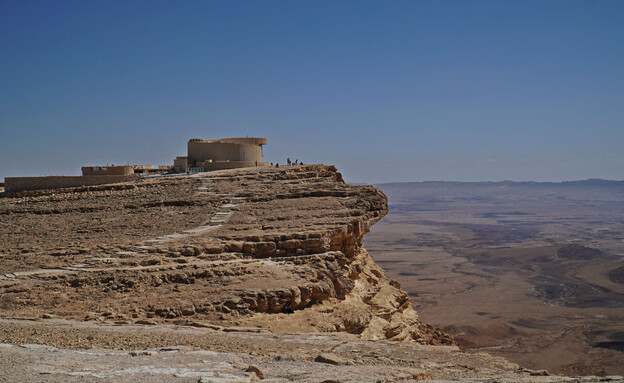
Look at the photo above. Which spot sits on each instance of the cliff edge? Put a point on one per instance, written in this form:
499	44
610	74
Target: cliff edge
275	248
228	276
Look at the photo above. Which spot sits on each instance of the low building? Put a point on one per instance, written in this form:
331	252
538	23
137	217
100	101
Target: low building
180	164
91	175
18	184
107	170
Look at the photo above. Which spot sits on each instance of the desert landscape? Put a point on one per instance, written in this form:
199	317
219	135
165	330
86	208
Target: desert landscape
529	271
225	191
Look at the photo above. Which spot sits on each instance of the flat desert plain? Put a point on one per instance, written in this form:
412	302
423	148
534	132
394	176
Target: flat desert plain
533	272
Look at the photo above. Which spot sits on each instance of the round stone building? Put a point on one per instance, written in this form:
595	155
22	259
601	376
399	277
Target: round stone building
222	153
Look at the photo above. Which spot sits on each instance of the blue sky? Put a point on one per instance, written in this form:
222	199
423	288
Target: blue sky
386	90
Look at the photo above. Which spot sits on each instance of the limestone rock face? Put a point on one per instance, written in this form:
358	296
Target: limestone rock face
278	248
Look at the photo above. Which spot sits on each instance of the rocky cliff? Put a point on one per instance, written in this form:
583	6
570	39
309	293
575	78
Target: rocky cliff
228	276
276	248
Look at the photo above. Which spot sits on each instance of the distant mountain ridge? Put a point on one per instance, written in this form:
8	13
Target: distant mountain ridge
587	182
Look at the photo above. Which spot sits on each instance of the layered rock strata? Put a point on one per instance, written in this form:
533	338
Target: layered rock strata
278	248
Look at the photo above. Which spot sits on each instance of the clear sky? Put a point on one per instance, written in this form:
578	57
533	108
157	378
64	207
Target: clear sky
386	90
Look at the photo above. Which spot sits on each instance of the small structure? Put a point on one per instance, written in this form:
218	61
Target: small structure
180	164
107	170
223	153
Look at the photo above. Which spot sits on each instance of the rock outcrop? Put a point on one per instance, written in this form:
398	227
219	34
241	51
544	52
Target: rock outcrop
266	247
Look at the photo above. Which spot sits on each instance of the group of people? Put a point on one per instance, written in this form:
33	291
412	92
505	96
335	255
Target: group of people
290	162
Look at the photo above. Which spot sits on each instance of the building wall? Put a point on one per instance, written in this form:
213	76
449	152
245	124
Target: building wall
232	165
16	184
180	164
226	149
107	170
245	140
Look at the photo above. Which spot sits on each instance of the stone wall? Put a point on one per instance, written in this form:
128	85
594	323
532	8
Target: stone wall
232	165
241	149
222	151
17	184
180	164
125	170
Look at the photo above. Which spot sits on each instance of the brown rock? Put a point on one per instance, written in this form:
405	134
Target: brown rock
290	247
146	322
255	370
331	359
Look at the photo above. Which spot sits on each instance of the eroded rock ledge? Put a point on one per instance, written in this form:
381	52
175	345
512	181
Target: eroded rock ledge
275	248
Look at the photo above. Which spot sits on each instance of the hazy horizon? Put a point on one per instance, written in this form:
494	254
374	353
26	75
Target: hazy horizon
499	181
399	91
